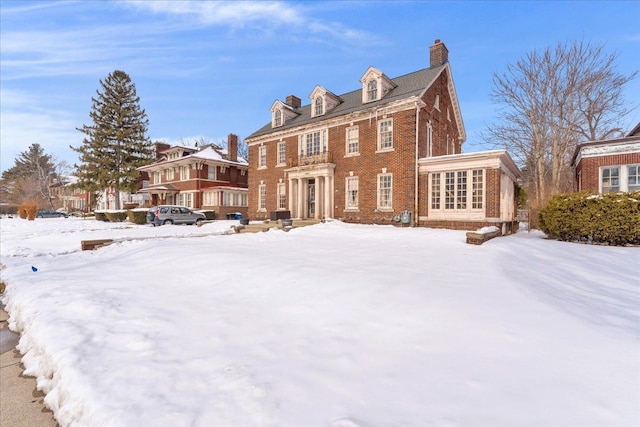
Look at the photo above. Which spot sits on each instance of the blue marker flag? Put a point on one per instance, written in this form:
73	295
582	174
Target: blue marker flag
33	269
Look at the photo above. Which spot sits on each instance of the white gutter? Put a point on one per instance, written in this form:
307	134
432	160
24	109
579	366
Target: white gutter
415	202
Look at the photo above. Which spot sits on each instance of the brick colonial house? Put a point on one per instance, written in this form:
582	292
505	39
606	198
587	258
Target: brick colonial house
608	166
387	153
205	177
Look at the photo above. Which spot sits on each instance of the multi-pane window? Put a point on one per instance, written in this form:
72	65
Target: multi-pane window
449	190
611	179
313	143
477	188
169	174
186	199
282	153
633	178
262	156
211	172
156	177
184	173
282	195
262	197
372	90
385	188
353	140
429	139
385	134
435	191
352	192
278	118
461	190
319	106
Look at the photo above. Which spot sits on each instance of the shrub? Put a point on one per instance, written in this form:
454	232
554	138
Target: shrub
101	216
612	218
28	210
6	209
116	216
137	216
211	215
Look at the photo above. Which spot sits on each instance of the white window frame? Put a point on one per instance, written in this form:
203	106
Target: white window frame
610	178
282	153
309	138
212	173
262	157
352	141
351	190
633	176
281	196
372	90
460	191
429	139
277	118
318	106
385	135
156	177
169	174
436	191
184	172
384	201
262	198
186	199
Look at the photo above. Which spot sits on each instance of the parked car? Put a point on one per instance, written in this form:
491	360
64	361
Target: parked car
171	214
45	213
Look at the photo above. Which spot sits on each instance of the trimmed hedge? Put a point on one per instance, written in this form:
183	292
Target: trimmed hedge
611	218
138	216
101	216
116	216
211	215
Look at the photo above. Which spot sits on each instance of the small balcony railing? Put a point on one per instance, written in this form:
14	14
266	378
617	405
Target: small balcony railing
311	159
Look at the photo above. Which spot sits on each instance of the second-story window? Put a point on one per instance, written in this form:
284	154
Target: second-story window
372	90
385	134
184	173
211	172
353	140
282	153
319	106
262	159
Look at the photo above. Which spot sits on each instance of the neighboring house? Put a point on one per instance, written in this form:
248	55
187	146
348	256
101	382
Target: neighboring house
387	153
205	177
609	165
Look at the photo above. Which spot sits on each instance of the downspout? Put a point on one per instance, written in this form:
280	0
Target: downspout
414	219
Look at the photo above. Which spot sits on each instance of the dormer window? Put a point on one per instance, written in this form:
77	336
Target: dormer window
281	113
319	106
278	118
372	90
375	85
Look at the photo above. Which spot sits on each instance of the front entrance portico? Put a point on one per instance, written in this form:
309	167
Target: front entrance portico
311	191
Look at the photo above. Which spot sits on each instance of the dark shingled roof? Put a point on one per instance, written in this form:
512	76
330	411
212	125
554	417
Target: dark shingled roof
409	85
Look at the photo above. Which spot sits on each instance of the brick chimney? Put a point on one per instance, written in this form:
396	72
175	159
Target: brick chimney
232	147
293	101
439	53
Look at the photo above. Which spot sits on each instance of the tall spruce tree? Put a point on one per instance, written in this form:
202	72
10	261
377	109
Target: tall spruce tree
116	144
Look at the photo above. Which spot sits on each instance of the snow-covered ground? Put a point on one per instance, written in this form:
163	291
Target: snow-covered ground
333	325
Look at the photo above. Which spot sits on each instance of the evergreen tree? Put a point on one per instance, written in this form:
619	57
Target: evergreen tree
30	178
116	144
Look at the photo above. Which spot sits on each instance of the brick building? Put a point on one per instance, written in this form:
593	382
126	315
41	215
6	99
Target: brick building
608	166
386	153
206	177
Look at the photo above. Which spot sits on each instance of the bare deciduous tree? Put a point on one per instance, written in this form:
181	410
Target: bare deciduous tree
551	100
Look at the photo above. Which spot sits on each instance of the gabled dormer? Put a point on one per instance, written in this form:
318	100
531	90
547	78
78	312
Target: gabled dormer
281	113
323	101
375	85
178	151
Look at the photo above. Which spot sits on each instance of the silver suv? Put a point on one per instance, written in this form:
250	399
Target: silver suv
171	214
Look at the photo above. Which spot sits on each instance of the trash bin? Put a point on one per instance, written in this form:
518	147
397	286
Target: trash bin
238	215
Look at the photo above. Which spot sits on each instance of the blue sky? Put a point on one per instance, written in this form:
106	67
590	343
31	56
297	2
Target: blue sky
206	69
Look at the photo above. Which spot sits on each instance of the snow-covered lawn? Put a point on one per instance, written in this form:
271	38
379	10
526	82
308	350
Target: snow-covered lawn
332	325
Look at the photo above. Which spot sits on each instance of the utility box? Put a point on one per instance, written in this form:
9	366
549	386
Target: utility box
405	217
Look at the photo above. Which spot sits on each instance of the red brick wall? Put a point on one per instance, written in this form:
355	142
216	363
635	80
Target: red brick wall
493	193
590	168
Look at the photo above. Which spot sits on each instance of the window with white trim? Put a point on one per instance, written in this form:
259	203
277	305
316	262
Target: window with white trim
610	179
281	192
633	178
262	197
186	199
169	174
477	188
278	118
353	140
385	134
282	153
456	193
435	191
385	191
319	106
156	177
262	156
184	173
351	190
372	90
211	172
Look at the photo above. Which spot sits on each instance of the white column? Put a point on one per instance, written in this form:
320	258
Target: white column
328	206
299	213
290	197
316	184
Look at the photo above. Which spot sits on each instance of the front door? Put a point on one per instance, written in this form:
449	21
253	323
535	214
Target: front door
311	200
